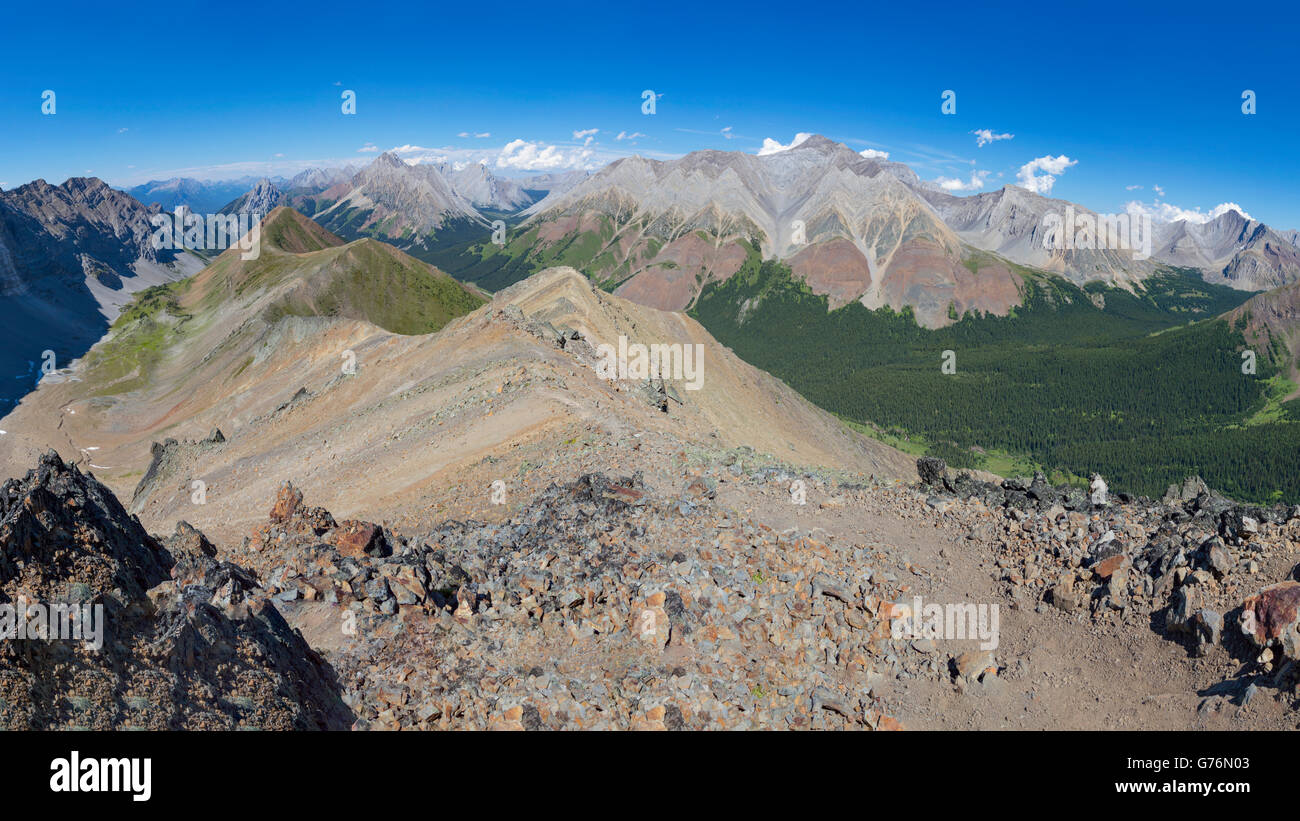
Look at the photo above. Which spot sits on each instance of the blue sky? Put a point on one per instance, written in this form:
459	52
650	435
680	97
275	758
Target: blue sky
1116	97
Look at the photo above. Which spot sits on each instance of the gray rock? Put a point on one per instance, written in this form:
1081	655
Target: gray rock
1207	628
1185	603
931	470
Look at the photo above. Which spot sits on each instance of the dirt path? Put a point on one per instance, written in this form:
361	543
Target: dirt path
1059	670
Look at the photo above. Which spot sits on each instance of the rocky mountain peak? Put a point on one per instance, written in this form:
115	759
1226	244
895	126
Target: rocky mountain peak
261	199
404	199
388	160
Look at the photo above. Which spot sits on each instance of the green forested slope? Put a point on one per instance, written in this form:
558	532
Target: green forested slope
1145	390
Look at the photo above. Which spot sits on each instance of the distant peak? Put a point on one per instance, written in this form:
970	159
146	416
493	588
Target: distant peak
286	229
817	141
1233	214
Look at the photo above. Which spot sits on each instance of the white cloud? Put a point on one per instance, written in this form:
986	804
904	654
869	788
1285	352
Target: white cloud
537	156
123	130
771	146
411	149
873	154
514	163
1168	212
419	155
589	132
1039	175
1224	207
985	136
368	148
726	132
975	183
623	135
1132	187
1160	192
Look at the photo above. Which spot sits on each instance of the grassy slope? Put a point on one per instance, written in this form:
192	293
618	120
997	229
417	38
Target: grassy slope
364	280
137	340
369	280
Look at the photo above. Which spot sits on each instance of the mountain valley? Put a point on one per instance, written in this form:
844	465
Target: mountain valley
380	463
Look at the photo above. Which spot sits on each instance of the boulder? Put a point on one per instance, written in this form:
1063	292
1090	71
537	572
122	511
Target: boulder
1269	618
931	470
1097	491
356	538
287	503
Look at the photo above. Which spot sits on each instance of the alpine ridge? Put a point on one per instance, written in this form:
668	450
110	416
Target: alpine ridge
854	228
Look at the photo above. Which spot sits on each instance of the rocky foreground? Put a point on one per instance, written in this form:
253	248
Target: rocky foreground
188	641
1194	566
616	603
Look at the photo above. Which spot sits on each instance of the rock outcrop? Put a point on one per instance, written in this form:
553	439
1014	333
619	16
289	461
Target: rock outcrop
121	630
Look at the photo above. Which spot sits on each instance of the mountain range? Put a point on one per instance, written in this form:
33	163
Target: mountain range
71	256
413	206
201	196
509	512
852	227
323	349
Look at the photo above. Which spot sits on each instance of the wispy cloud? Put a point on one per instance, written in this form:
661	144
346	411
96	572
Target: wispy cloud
516	158
927	158
975	183
1168	212
411	149
985	136
1039	175
771	146
524	155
